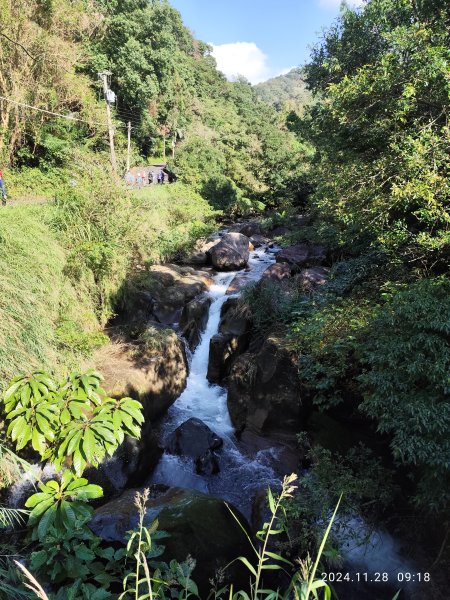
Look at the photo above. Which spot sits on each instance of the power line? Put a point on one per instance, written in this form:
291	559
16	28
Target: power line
54	114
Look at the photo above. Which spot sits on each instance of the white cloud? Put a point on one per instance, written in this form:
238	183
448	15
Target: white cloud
242	58
337	3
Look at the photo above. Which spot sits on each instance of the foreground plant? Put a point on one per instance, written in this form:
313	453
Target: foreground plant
149	578
73	423
303	585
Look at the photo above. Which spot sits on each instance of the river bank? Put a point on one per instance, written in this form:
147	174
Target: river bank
214	457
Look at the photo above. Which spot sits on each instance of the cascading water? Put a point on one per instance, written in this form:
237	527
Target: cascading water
239	476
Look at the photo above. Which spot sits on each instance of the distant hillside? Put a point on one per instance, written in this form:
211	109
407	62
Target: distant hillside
285	91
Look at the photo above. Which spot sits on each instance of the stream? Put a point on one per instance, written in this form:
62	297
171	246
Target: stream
240	476
243	475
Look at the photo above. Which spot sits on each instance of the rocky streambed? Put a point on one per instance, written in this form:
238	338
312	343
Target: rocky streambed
222	407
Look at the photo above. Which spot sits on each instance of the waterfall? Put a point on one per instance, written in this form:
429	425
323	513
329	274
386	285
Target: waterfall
240	476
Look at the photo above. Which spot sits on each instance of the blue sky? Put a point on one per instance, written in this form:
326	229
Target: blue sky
258	38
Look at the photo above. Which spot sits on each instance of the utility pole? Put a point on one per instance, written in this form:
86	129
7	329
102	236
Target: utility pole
104	77
129	146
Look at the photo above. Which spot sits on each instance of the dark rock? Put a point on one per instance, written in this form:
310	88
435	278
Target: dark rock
258	240
194	319
162	292
264	391
198	525
196	440
301	255
280	231
237	284
231	341
312	277
251	228
132	463
277	272
207	464
231	253
234	319
196	258
222	351
155	377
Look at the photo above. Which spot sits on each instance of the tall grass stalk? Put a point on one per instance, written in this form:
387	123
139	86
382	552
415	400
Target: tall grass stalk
32	584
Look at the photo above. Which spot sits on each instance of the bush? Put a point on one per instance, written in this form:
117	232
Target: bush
406	384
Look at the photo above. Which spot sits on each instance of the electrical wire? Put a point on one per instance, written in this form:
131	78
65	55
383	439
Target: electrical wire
55	114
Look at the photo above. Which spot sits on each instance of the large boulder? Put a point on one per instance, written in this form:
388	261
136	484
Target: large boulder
231	253
198	525
301	255
222	351
258	240
161	293
153	371
194	319
310	278
264	391
231	341
277	272
250	228
195	439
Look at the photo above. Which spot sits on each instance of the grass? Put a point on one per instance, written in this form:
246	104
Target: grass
63	265
31	282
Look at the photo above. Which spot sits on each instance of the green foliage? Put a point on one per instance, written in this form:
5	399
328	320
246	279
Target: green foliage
221	192
328	338
357	476
406	384
285	92
381	129
166	581
303	583
74	421
75	559
60	504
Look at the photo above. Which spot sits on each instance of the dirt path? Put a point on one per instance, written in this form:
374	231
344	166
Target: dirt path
27	200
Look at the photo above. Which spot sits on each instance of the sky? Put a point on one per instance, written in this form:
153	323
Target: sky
259	39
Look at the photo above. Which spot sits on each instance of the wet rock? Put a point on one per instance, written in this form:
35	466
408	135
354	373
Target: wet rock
250	229
231	341
258	240
231	253
264	391
198	525
238	284
312	277
277	272
161	293
301	255
222	351
196	440
194	319
234	319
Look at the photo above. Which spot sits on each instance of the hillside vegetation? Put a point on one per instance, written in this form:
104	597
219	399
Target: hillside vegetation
286	92
228	147
353	168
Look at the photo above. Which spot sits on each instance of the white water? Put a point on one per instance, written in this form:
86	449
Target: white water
240	476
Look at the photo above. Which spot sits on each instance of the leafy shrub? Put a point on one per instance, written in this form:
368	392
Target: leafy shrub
406	384
357	476
73	421
221	192
329	338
